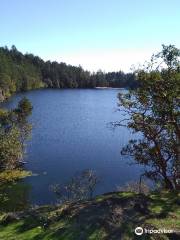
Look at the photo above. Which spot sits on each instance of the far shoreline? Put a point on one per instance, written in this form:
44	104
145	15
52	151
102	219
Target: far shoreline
107	88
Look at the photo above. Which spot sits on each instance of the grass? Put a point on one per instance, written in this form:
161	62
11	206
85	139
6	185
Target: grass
112	216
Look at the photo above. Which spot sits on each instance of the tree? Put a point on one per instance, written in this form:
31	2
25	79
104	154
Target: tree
80	187
14	131
23	72
10	149
153	111
24	109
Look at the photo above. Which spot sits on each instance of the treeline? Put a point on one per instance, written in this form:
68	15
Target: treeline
22	72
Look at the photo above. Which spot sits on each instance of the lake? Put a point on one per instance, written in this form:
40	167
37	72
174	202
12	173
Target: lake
71	133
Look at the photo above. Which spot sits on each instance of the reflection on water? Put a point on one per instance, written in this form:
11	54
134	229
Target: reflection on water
14	197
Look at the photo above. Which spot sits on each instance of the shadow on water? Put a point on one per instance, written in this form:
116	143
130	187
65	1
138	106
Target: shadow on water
14	197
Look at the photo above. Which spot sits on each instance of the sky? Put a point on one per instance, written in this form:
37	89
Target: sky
110	35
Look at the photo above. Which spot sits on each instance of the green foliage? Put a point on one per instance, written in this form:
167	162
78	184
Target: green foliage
17	72
154	112
14	194
14	131
10	148
24	108
22	72
8	176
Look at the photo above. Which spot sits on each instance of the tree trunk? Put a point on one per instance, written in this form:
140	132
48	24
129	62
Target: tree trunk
168	183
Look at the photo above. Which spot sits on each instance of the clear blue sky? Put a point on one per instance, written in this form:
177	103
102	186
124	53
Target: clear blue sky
106	34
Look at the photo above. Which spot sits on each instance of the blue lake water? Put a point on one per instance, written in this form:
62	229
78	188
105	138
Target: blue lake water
71	133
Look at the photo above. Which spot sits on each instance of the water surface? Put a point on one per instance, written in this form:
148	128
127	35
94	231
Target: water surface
70	133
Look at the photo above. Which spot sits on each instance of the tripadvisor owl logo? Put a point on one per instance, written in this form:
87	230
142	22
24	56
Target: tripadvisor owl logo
139	231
